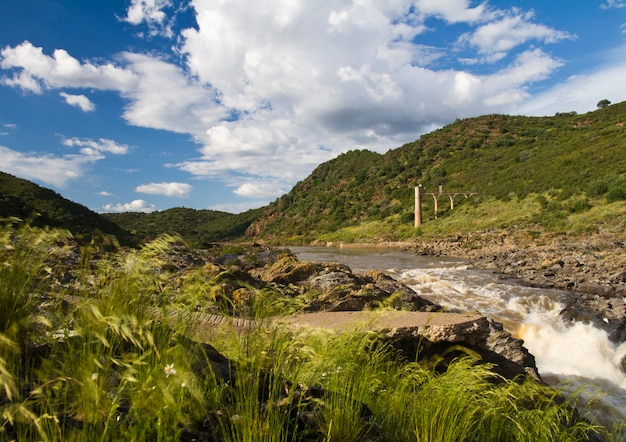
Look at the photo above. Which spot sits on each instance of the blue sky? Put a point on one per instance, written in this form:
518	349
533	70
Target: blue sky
143	105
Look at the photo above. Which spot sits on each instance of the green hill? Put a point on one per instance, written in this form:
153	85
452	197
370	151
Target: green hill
44	207
534	170
566	161
198	227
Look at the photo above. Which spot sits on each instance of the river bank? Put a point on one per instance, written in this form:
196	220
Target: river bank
593	267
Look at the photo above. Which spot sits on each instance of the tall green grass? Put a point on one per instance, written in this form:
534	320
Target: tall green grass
109	368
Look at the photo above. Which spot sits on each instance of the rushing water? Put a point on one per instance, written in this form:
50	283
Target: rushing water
575	357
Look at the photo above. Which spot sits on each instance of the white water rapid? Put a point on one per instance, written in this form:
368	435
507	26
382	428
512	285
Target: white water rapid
576	358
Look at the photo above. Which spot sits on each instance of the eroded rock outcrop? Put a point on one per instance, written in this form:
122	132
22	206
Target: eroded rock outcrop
334	287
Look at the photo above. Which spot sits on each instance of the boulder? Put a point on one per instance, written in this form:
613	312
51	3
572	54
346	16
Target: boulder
334	287
606	313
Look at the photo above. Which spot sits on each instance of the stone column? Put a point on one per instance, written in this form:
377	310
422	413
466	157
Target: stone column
418	206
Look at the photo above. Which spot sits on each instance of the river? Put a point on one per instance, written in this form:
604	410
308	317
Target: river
576	358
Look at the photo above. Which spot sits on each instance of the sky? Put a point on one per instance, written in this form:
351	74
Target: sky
144	105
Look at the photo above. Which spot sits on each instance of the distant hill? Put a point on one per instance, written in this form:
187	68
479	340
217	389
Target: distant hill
198	227
44	207
498	156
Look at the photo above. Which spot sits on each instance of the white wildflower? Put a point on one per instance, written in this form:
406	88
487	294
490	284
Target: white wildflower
169	370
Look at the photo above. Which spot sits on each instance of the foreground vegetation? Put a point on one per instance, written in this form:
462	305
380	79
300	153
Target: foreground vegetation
108	367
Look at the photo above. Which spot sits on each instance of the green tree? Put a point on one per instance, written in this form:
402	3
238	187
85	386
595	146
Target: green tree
603	103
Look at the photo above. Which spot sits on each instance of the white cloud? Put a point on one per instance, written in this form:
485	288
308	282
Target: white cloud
165	98
580	93
454	11
260	190
509	86
22	80
494	40
133	206
238	207
10	126
79	101
150	11
270	91
104	193
97	148
34	71
49	169
178	190
59	170
613	4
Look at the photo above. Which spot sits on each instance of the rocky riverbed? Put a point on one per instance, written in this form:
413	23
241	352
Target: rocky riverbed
593	268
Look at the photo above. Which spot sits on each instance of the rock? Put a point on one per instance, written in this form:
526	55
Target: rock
330	279
400	296
335	287
607	314
593	265
502	343
604	290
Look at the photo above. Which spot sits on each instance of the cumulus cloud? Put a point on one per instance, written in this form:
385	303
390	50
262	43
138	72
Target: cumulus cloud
166	98
79	101
150	11
259	190
34	71
91	147
494	40
580	93
133	206
270	91
104	193
59	170
46	168
454	11
178	190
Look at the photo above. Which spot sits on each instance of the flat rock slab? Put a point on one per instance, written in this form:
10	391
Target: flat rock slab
435	326
469	328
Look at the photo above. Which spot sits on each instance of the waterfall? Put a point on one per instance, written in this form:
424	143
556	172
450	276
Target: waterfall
577	358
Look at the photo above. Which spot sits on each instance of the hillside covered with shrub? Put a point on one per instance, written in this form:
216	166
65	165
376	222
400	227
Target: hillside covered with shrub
198	227
531	171
566	162
44	207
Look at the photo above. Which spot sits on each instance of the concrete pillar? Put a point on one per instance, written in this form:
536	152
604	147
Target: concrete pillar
418	206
